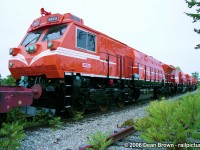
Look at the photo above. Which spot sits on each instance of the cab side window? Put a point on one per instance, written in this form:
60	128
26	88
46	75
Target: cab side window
85	40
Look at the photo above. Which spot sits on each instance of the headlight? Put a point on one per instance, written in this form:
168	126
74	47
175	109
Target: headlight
27	48
31	48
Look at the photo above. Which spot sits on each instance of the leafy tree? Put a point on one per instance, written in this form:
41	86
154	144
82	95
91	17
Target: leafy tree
195	75
178	68
195	16
8	81
0	79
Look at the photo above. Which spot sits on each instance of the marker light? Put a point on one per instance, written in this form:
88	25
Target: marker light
50	44
11	64
11	51
53	45
14	51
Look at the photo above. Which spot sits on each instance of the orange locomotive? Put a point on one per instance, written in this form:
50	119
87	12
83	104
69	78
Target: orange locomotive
69	65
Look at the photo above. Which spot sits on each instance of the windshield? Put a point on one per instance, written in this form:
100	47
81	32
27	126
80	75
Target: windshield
55	32
32	37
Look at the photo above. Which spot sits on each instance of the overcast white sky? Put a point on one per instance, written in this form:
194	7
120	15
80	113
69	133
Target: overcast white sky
156	27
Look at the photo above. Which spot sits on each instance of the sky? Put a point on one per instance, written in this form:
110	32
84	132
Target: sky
158	28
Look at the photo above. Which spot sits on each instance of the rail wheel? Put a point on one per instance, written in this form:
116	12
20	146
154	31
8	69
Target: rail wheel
120	104
158	94
77	108
76	112
103	107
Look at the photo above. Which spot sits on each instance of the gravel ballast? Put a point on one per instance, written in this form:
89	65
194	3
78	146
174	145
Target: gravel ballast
75	134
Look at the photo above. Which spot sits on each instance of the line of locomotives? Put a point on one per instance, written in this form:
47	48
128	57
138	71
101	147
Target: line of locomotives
61	64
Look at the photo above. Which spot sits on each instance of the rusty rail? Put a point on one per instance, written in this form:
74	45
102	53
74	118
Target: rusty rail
116	136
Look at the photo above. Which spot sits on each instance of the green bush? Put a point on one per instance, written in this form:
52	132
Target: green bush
55	122
77	115
26	120
99	141
174	121
12	133
15	115
128	122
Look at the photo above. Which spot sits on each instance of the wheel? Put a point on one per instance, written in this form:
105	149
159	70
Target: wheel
136	93
103	107
75	112
158	94
120	104
77	107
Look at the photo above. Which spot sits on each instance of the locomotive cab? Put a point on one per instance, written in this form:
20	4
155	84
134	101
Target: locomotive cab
46	34
45	53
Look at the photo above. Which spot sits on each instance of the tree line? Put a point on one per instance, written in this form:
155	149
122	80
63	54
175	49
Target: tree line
9	80
195	4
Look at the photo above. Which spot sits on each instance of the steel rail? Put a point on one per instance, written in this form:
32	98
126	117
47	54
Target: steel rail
116	136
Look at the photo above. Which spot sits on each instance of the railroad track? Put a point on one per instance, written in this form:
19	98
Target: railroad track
134	141
92	115
115	136
93	120
126	138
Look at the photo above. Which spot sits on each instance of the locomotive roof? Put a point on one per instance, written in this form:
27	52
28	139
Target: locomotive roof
48	19
54	19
